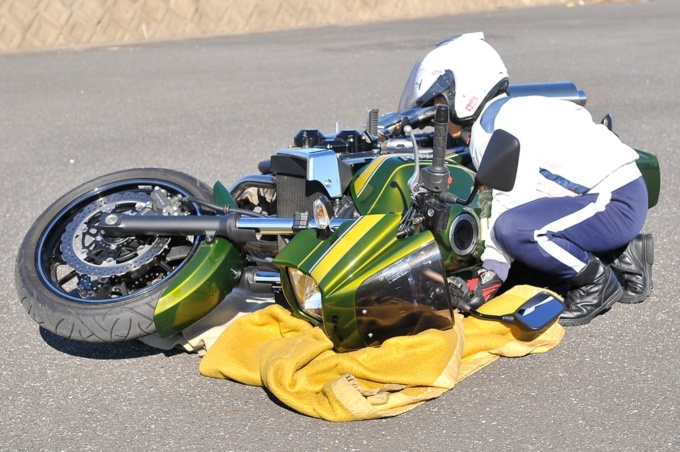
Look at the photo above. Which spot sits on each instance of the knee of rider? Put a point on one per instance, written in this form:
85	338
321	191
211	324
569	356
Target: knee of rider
509	234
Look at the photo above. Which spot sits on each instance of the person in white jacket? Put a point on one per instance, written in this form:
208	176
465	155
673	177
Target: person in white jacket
578	195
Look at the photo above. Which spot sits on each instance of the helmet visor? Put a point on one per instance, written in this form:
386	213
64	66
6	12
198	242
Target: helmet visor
414	96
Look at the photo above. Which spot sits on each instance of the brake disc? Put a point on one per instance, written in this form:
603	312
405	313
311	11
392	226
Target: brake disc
88	251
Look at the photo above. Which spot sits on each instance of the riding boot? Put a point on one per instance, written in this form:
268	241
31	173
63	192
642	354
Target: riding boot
633	266
593	291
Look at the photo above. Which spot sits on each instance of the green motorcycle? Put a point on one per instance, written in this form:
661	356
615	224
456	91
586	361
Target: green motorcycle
356	232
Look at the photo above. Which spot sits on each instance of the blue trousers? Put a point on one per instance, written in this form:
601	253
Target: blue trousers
556	235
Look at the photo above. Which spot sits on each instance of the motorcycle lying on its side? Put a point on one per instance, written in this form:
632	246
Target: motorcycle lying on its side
356	232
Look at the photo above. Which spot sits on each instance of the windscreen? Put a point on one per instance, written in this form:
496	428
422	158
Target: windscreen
408	100
405	298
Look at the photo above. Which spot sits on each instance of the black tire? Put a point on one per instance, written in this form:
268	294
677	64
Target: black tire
80	285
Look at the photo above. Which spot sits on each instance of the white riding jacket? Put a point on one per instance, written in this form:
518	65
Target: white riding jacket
562	153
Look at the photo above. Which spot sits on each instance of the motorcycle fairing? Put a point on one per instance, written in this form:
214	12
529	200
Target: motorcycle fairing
199	288
203	284
649	167
373	195
347	267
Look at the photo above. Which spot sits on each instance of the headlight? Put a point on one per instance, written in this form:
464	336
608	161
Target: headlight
307	293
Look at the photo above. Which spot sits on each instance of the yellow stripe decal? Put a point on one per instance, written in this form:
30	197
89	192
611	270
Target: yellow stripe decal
368	173
347	241
310	254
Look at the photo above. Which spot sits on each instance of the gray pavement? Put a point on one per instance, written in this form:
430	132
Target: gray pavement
213	108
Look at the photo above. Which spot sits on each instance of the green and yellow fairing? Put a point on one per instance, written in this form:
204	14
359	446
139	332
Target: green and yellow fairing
374	285
462	241
203	283
382	186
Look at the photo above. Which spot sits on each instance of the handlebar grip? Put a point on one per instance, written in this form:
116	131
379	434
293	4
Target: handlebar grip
441	123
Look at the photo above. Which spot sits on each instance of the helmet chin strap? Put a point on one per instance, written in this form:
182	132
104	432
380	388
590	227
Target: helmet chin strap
465	135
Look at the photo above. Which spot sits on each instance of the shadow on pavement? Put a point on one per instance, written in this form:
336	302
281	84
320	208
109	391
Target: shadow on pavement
117	350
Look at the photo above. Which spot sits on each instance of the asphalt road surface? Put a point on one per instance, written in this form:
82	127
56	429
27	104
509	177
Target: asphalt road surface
214	108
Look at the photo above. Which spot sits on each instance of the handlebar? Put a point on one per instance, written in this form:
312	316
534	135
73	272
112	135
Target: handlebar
392	124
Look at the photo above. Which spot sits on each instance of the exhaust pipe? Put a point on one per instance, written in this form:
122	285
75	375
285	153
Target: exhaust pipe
258	281
562	90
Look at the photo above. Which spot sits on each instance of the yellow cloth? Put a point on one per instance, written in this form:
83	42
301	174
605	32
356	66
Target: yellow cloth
297	363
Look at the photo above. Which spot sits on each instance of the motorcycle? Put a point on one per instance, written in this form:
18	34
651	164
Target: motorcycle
360	233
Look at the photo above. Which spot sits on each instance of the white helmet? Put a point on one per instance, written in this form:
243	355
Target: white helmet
466	70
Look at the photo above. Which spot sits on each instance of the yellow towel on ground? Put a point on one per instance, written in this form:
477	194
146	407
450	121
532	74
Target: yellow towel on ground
297	363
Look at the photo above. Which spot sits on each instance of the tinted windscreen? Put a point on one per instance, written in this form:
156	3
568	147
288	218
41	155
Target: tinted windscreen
405	298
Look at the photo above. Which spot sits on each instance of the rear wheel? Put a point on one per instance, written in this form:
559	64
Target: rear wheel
80	284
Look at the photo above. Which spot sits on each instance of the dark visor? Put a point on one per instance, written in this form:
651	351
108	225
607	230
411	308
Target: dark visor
443	83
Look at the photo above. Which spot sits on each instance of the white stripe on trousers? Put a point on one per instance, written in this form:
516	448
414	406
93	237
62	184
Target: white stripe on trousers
567	222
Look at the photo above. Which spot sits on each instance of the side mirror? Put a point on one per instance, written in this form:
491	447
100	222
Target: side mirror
498	168
538	312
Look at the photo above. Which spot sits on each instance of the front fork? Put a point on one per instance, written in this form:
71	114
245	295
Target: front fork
218	265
